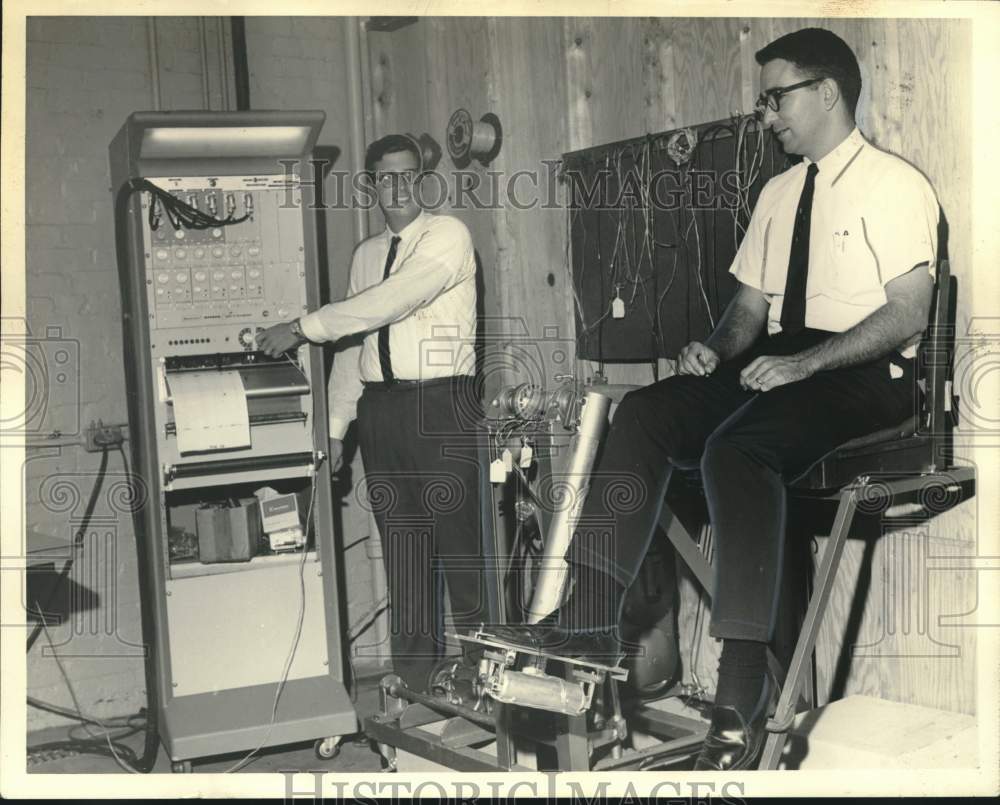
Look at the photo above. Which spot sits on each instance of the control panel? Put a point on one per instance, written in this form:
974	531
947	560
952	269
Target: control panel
215	288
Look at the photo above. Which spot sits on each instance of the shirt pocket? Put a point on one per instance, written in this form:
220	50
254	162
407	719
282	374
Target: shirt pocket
849	270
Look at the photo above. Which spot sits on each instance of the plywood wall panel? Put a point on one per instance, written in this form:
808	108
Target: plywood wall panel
527	79
908	646
400	78
707	72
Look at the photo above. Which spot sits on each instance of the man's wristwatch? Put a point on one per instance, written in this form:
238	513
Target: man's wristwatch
296	329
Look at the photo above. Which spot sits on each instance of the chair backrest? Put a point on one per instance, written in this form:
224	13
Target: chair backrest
923	442
936	357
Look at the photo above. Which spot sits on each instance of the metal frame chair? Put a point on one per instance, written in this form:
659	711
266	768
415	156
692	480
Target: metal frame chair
912	457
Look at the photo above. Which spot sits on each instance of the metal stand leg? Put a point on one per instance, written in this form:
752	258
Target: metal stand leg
687	549
506	754
810	629
572	749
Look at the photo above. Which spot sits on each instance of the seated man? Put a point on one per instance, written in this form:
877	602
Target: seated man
835	282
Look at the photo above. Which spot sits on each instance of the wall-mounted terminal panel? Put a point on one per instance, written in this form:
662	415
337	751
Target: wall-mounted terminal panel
216	241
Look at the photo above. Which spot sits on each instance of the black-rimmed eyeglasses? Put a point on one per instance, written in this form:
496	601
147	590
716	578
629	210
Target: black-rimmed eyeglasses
772	98
387	178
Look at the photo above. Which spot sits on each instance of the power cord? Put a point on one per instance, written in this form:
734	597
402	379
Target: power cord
124	756
77	546
107	745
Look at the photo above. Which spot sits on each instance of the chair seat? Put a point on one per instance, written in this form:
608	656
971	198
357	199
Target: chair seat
901	431
900	448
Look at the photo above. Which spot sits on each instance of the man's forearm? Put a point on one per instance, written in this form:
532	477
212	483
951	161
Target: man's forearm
737	329
886	329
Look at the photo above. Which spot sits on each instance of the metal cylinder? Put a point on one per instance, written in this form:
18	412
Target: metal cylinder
552	576
531	688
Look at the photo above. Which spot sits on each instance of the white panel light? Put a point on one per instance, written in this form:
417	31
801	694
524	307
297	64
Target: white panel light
223	141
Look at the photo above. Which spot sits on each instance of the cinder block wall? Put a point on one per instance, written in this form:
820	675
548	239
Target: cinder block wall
85	76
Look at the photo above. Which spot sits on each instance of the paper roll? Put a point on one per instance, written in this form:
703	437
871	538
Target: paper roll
210	410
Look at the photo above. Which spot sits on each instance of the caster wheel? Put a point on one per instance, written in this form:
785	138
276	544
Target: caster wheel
181	767
327	748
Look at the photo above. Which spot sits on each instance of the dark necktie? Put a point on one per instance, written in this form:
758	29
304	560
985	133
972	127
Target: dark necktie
384	360
793	307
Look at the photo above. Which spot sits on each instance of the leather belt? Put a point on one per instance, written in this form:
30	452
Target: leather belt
400	384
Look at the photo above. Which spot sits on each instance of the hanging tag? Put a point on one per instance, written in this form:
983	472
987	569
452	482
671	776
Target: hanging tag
526	453
498	473
617	306
508	460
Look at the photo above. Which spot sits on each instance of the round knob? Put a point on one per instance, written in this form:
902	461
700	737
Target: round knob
236	274
199	253
179	234
200	276
253	251
162	254
181	276
246	337
253	273
218	275
163	278
217	233
181	254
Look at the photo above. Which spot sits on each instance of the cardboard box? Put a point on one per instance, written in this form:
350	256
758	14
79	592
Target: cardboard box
229	533
279	512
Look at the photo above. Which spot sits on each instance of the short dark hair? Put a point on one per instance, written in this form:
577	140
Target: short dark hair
390	144
821	54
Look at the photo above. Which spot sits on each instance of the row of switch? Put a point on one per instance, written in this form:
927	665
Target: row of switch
162	234
184	286
203	253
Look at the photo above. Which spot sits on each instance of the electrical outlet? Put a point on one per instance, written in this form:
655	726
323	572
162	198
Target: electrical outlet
99	436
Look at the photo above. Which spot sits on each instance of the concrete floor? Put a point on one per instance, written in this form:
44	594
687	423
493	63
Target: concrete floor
895	736
355	753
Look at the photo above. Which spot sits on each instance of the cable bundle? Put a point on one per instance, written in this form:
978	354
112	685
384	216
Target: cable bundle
179	212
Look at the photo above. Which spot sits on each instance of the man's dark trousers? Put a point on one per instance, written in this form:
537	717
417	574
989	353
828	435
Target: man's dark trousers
749	445
422	476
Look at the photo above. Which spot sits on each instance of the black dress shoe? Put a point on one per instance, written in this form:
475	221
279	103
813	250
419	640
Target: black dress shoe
732	743
601	646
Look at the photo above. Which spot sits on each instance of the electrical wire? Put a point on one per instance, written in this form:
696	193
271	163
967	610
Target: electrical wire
631	266
295	640
123	756
77	546
179	213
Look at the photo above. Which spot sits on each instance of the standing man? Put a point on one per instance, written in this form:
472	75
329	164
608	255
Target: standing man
410	385
836	274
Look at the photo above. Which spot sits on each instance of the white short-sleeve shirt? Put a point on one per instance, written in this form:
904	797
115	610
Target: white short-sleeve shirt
874	217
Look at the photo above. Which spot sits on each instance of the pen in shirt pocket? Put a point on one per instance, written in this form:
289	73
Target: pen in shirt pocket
840	241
